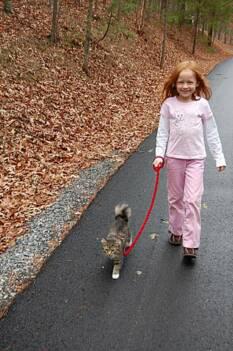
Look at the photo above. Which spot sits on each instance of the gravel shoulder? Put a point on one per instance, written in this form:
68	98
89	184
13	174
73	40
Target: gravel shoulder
20	264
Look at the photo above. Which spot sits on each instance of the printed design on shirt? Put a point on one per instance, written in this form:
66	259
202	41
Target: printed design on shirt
179	118
178	122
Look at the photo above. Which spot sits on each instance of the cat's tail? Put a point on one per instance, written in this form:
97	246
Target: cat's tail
123	211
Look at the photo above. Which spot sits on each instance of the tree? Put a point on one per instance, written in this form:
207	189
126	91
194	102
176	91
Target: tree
196	21
7	6
182	7
164	19
119	9
54	29
141	17
216	12
88	37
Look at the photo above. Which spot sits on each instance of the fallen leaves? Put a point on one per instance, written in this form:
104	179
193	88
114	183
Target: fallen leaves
154	236
139	272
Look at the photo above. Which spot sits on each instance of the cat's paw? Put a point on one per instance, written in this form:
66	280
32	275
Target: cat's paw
115	273
129	243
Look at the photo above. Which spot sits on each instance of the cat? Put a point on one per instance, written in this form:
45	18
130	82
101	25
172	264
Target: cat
118	238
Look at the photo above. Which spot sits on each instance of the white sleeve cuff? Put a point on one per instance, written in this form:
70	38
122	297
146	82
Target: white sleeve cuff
220	161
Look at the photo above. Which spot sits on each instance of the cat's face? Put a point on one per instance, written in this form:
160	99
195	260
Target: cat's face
111	248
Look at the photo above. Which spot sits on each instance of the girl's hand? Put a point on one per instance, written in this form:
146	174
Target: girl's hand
221	168
158	162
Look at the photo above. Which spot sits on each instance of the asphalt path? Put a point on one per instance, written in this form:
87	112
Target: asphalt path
160	302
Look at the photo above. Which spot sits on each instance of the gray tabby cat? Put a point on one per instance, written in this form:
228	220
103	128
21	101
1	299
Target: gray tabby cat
118	238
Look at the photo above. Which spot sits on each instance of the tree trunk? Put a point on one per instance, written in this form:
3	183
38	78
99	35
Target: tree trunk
210	34
108	26
160	10
96	6
88	37
203	29
182	12
163	46
7	6
231	37
142	15
195	29
118	10
219	32
156	5
225	36
54	29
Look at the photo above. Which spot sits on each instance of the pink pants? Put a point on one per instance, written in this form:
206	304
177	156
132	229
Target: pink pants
185	189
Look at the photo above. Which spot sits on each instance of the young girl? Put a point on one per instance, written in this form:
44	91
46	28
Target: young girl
185	117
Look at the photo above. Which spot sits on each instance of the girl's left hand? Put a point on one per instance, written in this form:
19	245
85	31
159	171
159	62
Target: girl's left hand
221	168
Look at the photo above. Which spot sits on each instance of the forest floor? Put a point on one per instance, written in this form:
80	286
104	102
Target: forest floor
55	120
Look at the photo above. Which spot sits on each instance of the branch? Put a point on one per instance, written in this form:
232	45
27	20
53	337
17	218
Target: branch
106	32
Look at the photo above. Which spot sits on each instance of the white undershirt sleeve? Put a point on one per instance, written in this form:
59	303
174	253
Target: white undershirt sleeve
162	137
213	140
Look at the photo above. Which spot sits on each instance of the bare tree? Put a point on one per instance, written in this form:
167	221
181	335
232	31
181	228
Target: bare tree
195	28
142	16
210	34
55	14
225	36
182	7
219	32
88	37
119	4
7	6
164	18
108	26
231	37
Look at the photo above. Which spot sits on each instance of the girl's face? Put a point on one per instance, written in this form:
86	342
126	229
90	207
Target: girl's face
186	84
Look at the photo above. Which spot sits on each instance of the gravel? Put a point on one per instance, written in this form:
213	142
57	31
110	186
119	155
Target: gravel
20	264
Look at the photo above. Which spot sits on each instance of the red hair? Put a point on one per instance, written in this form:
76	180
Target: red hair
202	89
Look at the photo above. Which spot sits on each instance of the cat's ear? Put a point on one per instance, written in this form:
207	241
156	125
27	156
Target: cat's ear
118	241
103	241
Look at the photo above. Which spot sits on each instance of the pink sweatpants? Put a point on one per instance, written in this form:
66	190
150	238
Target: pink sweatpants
185	189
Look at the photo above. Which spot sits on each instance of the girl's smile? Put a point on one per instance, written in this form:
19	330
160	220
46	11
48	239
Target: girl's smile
186	85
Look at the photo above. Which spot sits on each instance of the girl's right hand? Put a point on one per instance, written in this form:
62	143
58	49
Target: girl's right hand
158	162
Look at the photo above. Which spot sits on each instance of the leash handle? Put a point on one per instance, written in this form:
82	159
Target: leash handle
160	165
157	169
130	248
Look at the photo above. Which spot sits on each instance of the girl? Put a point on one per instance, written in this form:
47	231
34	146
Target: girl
185	117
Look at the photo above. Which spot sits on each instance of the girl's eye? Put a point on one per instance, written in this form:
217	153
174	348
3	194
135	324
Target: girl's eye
189	83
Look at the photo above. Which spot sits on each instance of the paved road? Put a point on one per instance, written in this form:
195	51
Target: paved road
74	305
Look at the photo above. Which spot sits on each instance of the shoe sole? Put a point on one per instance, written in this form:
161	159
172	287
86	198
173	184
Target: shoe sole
190	255
174	243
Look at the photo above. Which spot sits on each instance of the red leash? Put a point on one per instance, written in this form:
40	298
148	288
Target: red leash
130	248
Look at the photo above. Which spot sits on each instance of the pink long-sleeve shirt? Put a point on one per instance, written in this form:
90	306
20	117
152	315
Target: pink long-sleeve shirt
182	128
